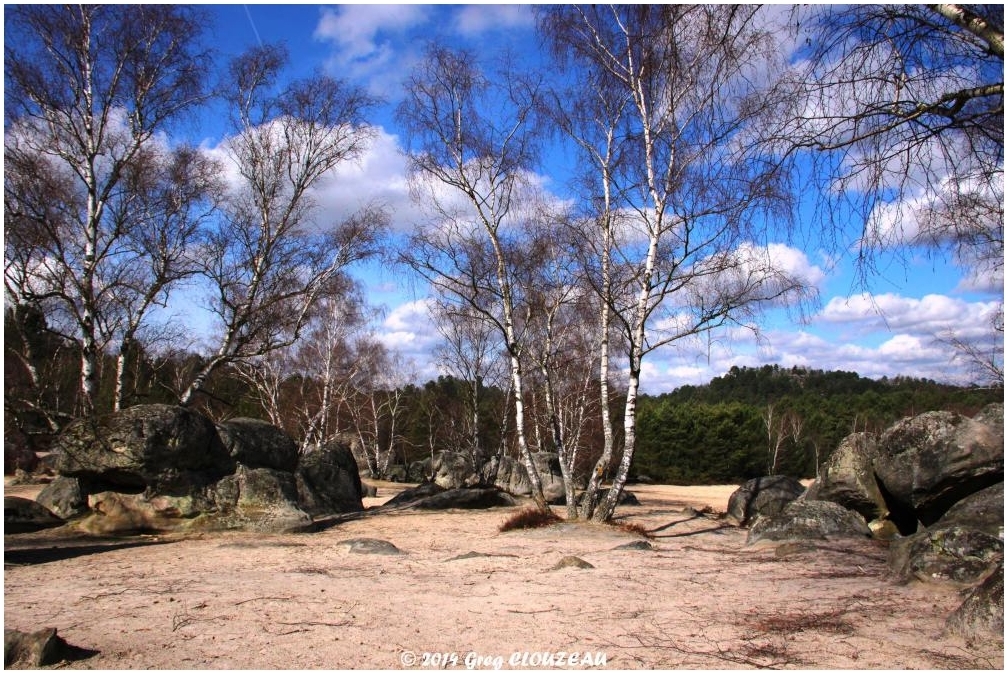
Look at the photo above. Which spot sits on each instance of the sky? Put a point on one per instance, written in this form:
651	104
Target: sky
890	328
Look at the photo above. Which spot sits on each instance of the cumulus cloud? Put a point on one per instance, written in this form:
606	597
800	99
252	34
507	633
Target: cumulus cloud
368	42
409	330
926	317
475	20
378	176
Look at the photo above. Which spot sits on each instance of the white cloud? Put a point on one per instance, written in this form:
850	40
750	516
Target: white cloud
368	42
925	317
410	331
379	175
475	20
357	28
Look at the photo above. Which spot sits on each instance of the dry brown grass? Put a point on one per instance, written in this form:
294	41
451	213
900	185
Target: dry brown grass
529	518
633	528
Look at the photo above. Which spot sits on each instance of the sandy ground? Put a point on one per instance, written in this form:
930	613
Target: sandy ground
700	599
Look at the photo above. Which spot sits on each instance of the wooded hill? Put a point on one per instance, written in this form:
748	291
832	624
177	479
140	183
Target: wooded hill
726	431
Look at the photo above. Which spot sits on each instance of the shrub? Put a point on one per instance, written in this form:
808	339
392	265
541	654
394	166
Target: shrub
530	518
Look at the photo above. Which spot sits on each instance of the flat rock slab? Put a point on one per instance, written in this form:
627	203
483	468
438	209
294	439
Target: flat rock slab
635	545
370	546
472	554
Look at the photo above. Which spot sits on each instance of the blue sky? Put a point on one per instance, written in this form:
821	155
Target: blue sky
887	329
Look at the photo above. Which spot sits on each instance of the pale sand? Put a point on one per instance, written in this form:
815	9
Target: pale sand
701	599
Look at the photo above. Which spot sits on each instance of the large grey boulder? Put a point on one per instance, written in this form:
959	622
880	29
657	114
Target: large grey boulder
466	499
848	478
165	468
505	473
764	496
454	470
547	464
19	457
803	520
396	473
983	511
65	497
161	448
511	476
951	554
414	494
929	462
23	515
432	496
251	499
981	615
328	480
258	444
261	499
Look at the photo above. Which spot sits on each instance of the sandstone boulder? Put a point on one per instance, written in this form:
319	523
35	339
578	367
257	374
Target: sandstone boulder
465	499
42	648
407	496
981	615
764	496
927	463
19	457
114	513
983	511
328	481
252	499
370	546
547	464
23	515
952	554
454	470
848	478
162	448
161	468
397	473
803	519
65	497
258	444
510	475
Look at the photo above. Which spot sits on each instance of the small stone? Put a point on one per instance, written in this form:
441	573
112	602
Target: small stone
572	561
371	546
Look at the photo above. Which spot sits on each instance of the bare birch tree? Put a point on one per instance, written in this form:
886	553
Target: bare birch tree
692	201
474	138
268	262
86	89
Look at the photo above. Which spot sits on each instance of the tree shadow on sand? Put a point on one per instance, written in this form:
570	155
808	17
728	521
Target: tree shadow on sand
45	551
716	526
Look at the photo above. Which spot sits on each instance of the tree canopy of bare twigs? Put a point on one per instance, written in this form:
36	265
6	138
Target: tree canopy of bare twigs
904	108
267	262
899	110
87	90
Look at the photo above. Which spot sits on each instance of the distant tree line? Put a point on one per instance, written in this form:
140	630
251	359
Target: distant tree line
749	422
758	421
